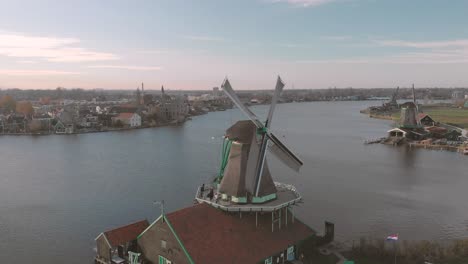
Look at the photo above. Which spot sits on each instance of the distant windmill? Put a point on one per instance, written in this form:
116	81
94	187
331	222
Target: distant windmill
409	113
247	173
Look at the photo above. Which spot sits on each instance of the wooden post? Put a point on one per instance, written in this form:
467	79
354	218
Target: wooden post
256	219
292	214
286	214
272	221
279	219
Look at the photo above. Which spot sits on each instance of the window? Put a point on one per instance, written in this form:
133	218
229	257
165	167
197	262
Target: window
163	260
163	244
269	260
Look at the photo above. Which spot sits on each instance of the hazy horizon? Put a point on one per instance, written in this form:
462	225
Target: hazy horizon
193	45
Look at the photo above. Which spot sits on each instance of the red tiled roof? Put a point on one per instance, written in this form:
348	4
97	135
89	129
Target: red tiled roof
126	233
213	236
125	115
436	129
423	115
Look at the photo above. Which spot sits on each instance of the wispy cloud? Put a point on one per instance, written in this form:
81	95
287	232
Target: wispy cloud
412	52
305	3
127	67
203	38
53	49
35	72
27	61
153	51
460	43
293	45
336	38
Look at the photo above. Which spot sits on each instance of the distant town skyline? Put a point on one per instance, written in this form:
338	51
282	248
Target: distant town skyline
195	44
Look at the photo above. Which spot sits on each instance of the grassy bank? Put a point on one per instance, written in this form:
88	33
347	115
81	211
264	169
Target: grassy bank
444	114
371	251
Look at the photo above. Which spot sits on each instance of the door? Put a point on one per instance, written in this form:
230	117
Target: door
291	253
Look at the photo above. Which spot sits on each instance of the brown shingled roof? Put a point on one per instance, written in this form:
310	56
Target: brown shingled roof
125	115
213	236
124	234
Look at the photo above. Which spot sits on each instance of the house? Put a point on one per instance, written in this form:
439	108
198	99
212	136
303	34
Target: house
416	134
3	120
397	133
426	120
113	245
204	234
453	135
61	128
68	117
436	131
127	119
89	120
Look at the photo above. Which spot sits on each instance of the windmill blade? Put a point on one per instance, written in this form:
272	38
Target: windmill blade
260	163
274	100
232	95
284	154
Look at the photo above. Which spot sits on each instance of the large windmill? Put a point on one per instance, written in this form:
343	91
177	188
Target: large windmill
246	177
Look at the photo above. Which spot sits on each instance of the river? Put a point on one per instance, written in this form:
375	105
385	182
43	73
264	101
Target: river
57	193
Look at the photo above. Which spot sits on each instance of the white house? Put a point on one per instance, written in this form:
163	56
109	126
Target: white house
128	119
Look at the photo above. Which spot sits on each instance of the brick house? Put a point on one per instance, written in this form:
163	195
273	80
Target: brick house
127	119
112	246
204	234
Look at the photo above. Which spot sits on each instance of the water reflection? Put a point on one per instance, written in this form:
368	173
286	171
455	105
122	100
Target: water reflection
57	187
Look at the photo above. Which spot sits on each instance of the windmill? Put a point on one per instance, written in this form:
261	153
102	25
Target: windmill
247	177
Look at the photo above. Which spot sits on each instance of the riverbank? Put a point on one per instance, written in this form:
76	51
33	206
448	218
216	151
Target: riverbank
371	251
107	129
454	116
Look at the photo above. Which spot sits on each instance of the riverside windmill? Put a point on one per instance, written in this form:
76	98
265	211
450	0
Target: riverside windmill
245	182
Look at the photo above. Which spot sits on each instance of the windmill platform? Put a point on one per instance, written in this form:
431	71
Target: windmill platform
287	196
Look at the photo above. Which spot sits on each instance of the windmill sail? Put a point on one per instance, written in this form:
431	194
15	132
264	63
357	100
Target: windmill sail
284	154
247	170
263	148
232	95
274	100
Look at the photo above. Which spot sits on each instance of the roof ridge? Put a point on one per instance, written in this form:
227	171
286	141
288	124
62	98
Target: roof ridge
133	223
186	209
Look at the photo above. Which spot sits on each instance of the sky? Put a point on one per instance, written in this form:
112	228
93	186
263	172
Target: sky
195	44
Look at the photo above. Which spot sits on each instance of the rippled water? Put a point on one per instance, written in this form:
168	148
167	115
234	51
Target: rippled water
57	193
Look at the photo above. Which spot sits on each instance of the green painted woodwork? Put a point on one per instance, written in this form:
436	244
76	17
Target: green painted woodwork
239	199
264	198
178	240
162	260
226	148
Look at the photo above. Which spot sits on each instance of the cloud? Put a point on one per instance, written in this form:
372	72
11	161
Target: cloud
460	43
127	67
203	38
35	72
52	49
27	61
336	38
153	51
413	52
305	3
